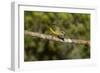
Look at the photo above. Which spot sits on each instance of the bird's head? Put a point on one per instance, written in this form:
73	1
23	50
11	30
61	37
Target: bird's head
63	32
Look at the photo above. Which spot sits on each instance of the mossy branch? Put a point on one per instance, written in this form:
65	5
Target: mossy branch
50	37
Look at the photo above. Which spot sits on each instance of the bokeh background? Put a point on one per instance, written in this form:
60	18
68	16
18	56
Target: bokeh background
75	26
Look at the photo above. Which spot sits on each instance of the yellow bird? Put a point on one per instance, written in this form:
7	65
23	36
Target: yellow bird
57	33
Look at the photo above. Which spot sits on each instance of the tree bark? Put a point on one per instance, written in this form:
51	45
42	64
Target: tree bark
53	38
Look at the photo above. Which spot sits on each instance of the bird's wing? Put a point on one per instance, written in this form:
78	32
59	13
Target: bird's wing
54	32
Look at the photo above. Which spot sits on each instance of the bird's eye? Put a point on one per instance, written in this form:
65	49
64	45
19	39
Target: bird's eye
62	32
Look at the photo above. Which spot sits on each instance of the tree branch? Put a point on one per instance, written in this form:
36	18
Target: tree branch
49	37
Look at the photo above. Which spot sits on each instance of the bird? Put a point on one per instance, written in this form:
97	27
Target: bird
57	32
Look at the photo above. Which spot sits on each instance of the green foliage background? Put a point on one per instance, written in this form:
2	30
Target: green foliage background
75	25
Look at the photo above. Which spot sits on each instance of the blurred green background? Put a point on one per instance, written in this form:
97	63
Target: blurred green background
75	25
